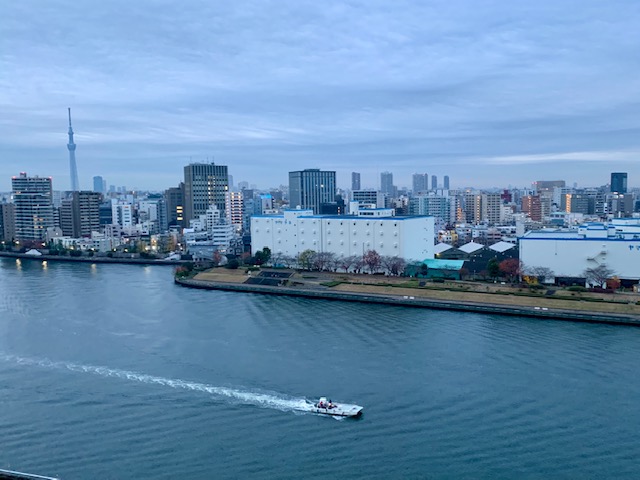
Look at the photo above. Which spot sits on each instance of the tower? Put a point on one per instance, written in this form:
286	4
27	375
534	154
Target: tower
355	181
619	182
33	199
73	169
311	187
205	184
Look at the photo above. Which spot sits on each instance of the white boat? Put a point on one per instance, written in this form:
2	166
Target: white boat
327	407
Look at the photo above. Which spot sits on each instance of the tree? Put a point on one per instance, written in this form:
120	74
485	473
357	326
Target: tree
493	267
232	264
262	256
597	276
537	274
393	265
510	268
323	261
371	259
346	263
306	259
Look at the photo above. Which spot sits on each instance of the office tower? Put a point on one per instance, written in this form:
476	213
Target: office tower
386	183
420	183
73	169
205	184
355	181
434	182
446	182
578	203
618	182
33	206
99	184
620	205
174	198
105	213
311	187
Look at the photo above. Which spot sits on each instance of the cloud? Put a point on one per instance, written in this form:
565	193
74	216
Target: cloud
267	86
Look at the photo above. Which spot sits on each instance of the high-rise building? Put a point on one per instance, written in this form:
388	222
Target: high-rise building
619	205
618	182
73	169
420	183
446	182
578	203
434	182
310	188
33	198
473	207
174	198
386	184
355	181
7	222
434	205
532	206
235	208
99	184
491	208
205	184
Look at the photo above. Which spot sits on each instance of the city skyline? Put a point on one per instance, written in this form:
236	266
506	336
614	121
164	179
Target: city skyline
491	97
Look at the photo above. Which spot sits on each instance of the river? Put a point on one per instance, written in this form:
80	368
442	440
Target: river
114	372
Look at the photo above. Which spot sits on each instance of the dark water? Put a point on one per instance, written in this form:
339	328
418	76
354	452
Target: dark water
111	371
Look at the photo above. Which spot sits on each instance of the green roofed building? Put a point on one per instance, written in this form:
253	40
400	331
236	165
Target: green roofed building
435	268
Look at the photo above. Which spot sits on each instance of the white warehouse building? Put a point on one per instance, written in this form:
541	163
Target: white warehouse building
570	253
294	231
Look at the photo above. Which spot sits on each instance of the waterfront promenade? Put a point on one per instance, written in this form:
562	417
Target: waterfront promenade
94	259
551	303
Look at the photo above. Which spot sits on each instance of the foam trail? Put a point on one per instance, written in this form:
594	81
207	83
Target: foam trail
265	400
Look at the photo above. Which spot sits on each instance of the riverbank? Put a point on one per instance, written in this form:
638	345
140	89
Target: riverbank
94	259
461	296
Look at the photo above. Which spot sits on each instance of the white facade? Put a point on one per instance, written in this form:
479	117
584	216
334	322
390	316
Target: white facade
570	253
122	213
410	238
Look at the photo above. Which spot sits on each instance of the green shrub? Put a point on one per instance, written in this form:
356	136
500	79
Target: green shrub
576	288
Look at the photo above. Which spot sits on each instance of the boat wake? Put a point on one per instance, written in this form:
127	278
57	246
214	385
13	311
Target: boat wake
264	400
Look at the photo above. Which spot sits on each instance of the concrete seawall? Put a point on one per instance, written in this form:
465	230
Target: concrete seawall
551	314
58	258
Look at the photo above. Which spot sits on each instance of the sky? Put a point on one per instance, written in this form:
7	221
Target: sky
491	93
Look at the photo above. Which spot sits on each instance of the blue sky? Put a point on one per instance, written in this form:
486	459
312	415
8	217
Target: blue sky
491	93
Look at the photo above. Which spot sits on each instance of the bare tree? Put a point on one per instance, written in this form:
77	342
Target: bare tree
358	263
288	261
540	273
372	260
598	275
323	260
346	263
393	265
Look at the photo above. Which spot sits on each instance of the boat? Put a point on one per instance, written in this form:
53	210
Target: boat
327	407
